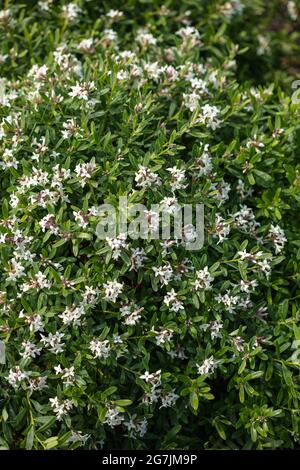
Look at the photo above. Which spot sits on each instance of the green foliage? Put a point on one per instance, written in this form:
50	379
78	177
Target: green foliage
202	87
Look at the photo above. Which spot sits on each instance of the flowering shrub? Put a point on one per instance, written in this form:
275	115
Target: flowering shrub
138	343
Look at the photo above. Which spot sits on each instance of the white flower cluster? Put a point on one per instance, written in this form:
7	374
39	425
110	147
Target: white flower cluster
60	407
208	366
100	117
100	349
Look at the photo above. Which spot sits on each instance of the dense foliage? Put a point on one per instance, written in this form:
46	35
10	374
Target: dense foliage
138	344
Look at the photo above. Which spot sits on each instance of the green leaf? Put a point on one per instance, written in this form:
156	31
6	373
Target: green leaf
30	438
48	422
5	208
4	414
51	442
251	178
196	301
242	366
241	393
122	402
253	433
254	375
219	427
109	391
2	352
194	401
262	178
287	376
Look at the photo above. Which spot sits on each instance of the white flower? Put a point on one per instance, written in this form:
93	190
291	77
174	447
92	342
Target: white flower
238	343
71	11
112	290
222	228
86	45
9	161
189	233
84	172
255	143
292	10
209	116
171	300
38	73
204	162
117	244
245	286
265	267
232	8
151	397
60	407
229	301
163	336
245	303
191	100
90	296
44	4
154	379
277	236
113	417
82	90
67	374
263	47
152	221
15	271
30	349
131	313
126	55
169	205
242	191
4	15
199	84
122	75
40	281
72	315
136	428
137	259
153	70
14	200
70	129
3	58
16	376
203	279
48	223
222	188
208	366
37	383
166	245
190	36
145	39
214	327
100	349
110	35
81	218
177	178
249	256
77	436
114	14
145	178
168	400
53	342
178	352
164	273
171	73
35	321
